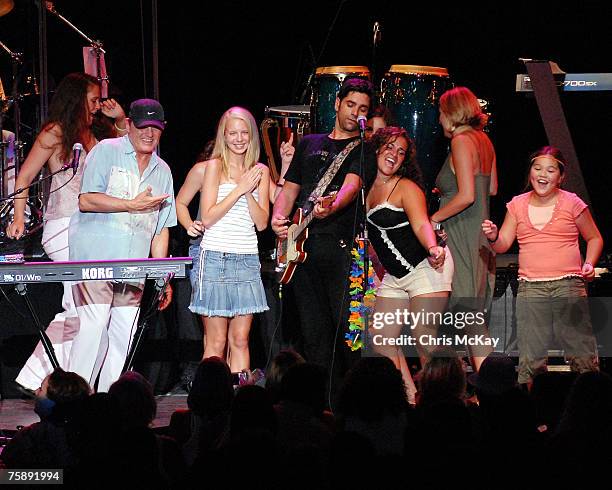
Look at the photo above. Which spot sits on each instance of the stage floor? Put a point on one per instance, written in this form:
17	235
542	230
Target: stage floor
16	412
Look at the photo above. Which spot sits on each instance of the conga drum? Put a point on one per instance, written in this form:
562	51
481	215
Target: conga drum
326	85
412	94
277	127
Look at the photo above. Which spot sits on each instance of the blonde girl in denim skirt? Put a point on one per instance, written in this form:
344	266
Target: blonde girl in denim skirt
234	203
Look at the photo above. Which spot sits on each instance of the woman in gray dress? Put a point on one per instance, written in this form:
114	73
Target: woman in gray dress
466	180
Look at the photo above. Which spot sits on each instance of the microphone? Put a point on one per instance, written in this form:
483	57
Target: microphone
376	34
362	121
77	148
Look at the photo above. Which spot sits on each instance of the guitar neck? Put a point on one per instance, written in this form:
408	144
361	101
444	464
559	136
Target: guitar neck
304	224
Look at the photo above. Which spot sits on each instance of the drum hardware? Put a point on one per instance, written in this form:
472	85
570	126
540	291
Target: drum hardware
34	206
6	6
277	127
486	108
96	46
33	211
323	47
13	100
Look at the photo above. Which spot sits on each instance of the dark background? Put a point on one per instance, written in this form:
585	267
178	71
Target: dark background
259	54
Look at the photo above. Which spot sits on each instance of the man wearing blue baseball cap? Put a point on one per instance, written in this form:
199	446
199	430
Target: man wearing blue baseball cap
126	206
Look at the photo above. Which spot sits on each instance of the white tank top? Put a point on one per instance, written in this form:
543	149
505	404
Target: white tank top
234	232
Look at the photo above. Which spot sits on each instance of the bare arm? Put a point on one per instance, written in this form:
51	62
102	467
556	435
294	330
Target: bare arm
346	195
589	231
192	185
111	108
462	151
47	143
283	206
159	244
287	150
260	209
493	185
98	202
213	211
415	207
501	239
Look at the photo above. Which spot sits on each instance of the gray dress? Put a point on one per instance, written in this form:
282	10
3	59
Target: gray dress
474	260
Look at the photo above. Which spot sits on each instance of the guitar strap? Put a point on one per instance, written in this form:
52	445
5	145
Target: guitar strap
331	172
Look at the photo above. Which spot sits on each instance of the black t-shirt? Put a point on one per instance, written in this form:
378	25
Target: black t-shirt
313	156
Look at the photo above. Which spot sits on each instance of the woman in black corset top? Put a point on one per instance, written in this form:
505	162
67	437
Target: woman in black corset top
419	273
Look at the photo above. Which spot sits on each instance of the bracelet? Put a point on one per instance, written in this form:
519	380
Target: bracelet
280	184
118	128
492	241
436	225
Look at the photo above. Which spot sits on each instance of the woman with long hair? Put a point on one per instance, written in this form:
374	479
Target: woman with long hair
418	271
234	203
466	180
71	115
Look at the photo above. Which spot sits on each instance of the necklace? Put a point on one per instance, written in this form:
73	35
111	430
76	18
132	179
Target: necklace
385	181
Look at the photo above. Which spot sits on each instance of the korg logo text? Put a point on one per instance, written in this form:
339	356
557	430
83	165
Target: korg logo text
98	273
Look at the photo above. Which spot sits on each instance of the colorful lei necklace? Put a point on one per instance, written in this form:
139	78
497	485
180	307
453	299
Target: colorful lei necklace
362	302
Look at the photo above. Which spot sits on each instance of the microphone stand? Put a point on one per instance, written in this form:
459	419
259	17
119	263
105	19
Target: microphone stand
96	45
66	166
318	58
365	238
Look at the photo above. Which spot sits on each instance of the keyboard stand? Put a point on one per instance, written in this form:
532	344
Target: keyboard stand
22	290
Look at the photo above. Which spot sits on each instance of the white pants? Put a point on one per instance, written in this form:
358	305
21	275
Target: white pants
65	326
108	315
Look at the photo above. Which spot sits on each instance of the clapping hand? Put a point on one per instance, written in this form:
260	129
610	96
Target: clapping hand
250	180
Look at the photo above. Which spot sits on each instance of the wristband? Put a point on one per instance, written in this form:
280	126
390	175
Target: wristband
493	241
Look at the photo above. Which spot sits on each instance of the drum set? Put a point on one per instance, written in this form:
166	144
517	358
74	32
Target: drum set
410	92
22	89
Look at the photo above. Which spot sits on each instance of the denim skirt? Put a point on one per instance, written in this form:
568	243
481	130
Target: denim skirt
229	284
194	272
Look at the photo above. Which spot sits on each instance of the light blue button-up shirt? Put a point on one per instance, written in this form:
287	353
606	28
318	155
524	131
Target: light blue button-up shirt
111	168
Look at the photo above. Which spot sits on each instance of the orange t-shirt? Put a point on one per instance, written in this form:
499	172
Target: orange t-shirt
552	252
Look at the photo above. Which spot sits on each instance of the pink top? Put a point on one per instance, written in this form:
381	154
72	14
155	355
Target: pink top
552	252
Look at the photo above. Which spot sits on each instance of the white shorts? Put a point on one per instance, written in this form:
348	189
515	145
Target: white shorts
423	279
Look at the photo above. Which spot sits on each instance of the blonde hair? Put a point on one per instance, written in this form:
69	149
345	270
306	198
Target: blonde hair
220	150
462	108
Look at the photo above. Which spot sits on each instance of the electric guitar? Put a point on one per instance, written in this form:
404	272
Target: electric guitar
290	250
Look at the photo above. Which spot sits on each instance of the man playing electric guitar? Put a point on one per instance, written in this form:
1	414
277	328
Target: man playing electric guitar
321	282
290	250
